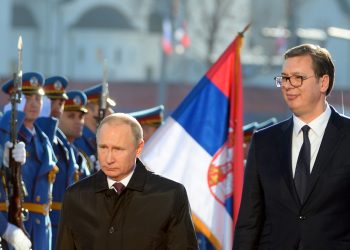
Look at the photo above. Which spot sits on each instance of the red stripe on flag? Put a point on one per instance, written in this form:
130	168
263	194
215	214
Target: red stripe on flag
222	72
236	119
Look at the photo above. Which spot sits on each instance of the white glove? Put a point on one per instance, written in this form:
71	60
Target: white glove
16	237
18	153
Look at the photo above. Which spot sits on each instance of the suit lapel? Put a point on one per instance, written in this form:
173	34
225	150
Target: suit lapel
138	179
328	147
105	197
100	180
285	153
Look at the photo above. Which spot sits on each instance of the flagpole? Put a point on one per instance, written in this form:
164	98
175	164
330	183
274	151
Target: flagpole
245	29
342	102
236	117
162	86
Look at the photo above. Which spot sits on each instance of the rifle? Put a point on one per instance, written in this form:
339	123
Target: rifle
104	94
16	189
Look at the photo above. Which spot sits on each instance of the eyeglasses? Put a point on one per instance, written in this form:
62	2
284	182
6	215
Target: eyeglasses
295	80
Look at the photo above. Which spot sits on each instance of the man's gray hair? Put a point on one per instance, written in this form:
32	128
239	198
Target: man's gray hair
122	118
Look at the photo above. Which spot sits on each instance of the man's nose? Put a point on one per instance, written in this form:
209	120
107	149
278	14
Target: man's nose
109	156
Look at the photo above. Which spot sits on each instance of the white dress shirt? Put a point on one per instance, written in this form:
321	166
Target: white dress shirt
124	181
316	132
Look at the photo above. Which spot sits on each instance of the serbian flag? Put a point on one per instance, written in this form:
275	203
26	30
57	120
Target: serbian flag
201	146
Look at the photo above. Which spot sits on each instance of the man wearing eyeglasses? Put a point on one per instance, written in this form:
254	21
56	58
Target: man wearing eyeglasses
298	171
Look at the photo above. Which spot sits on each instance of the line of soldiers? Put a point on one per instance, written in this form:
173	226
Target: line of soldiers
57	135
53	151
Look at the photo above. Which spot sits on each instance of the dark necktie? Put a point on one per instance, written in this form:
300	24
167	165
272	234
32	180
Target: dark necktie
119	187
302	170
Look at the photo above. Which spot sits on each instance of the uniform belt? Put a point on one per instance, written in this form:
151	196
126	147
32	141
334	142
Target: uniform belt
31	207
56	205
36	208
3	206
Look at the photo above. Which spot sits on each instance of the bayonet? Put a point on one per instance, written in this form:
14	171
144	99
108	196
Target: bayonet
105	93
16	189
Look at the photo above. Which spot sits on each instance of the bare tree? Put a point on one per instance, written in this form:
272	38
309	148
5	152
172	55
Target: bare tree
210	21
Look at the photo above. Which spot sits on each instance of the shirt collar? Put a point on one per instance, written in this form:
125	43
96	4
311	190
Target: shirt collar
32	131
318	125
124	181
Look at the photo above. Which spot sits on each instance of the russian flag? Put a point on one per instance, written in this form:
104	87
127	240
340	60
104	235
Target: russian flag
201	146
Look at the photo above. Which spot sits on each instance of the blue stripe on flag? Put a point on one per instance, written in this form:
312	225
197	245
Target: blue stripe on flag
229	204
204	115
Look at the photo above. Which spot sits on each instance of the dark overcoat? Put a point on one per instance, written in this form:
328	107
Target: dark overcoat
152	212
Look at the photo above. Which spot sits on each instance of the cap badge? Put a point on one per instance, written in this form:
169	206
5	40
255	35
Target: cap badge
57	85
34	81
77	100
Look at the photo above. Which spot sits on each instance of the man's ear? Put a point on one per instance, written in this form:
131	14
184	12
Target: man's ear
324	83
140	147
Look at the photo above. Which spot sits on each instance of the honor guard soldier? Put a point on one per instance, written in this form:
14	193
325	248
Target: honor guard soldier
71	124
87	142
40	168
150	120
55	97
9	232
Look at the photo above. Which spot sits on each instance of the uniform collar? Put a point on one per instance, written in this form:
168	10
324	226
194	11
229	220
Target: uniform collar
88	133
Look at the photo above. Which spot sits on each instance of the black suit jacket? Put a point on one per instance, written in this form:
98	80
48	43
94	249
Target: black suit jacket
151	213
271	216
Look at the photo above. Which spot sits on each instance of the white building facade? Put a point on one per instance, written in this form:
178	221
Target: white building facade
73	37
